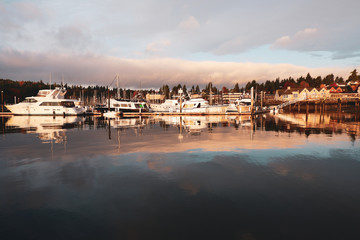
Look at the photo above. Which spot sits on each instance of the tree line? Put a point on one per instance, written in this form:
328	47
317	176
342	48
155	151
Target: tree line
22	89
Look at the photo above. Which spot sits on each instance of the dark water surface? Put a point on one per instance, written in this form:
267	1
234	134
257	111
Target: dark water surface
274	177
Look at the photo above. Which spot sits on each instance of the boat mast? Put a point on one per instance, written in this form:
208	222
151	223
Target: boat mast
108	90
252	100
210	86
117	86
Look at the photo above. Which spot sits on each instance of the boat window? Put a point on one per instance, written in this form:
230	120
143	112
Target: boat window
188	105
199	105
43	93
124	105
50	104
30	100
67	104
116	105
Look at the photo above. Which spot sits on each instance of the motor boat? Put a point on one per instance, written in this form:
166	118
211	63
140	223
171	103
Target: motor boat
168	106
240	106
118	106
200	105
47	102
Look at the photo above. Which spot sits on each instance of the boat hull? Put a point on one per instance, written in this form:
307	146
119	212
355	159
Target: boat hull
208	110
18	109
124	110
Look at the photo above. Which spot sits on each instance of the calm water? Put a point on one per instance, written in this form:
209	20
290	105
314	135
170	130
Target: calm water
273	177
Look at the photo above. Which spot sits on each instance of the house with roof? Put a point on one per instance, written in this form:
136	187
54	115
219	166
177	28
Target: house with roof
293	94
323	93
336	90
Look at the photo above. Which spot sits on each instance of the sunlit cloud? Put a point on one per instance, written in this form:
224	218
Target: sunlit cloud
92	69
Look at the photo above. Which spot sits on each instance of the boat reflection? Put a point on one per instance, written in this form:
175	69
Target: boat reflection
48	128
128	122
196	124
320	123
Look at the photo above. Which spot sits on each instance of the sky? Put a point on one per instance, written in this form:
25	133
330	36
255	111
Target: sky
154	42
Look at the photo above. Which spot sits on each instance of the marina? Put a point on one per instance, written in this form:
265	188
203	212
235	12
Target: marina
179	120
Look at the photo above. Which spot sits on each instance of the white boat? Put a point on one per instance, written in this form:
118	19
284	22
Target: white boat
120	106
243	101
47	102
168	106
199	105
240	106
232	108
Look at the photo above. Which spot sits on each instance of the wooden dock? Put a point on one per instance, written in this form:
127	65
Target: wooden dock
324	105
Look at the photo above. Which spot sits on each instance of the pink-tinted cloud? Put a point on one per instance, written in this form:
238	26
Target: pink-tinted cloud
91	69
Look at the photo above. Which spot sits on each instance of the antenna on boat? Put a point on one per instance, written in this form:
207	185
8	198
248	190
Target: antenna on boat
50	80
117	85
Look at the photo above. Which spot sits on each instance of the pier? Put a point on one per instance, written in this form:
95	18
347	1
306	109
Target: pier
315	106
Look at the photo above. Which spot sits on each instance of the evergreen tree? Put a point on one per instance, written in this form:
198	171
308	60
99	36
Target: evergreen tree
329	79
353	76
236	88
197	89
184	89
310	80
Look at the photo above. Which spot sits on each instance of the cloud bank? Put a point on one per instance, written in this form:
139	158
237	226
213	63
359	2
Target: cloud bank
149	73
191	42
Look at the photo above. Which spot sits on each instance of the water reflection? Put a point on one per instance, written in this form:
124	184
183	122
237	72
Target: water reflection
219	177
53	129
48	128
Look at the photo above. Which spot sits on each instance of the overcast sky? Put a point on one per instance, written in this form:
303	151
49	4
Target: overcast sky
153	42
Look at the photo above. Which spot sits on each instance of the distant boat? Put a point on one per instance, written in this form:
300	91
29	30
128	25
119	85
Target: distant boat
240	106
243	102
200	105
47	102
121	106
168	106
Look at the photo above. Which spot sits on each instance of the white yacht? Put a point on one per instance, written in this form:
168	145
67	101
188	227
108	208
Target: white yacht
240	106
199	105
47	102
168	106
120	106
